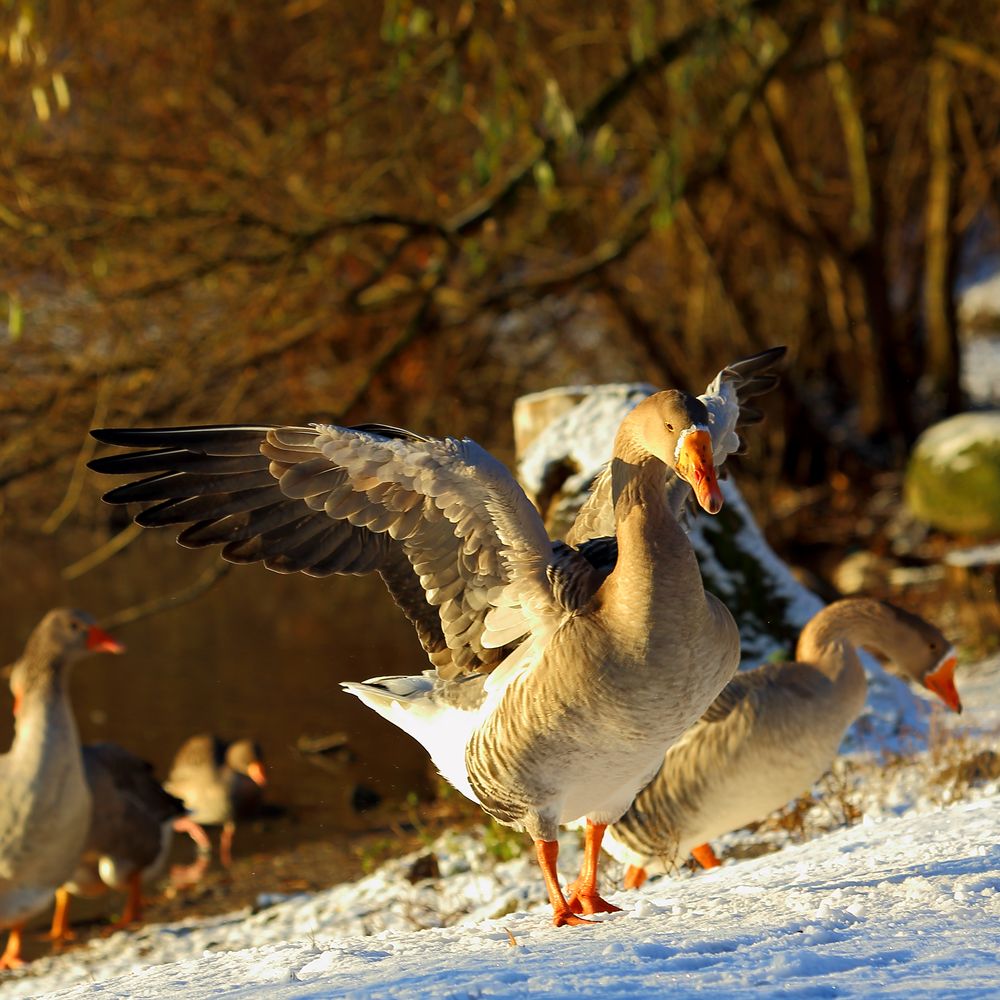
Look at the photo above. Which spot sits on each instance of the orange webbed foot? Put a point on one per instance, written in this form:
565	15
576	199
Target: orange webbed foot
11	957
635	877
705	856
591	903
567	918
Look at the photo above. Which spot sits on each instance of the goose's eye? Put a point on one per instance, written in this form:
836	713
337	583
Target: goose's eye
669	427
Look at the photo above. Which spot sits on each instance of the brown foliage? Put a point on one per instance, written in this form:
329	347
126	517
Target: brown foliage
225	211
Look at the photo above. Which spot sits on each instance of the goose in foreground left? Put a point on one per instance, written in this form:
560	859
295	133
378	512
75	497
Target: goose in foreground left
558	683
45	805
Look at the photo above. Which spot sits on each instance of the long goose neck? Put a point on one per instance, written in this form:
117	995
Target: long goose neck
830	638
652	546
44	717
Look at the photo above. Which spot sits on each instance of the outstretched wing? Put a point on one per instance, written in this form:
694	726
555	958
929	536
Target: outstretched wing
444	523
726	398
727	395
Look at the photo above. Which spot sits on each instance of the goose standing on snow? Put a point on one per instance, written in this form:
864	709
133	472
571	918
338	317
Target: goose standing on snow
219	782
45	804
129	835
773	732
558	683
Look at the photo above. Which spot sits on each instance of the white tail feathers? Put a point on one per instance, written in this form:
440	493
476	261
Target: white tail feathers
443	730
393	688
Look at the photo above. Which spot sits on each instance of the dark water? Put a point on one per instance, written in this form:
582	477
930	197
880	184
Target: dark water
260	654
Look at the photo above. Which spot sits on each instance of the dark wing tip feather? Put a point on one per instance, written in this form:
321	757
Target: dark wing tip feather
759	362
178	437
388	431
753	377
153	488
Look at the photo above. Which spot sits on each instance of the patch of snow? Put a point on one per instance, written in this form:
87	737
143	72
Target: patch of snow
583	436
982	298
981	367
974	555
801	603
946	443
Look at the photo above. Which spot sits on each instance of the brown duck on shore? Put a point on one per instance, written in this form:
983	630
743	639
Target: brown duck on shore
773	732
45	807
129	836
219	783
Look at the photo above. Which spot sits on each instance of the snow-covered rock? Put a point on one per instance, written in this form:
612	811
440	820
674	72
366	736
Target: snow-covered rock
953	477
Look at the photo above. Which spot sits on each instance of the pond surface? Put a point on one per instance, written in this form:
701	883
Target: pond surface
260	654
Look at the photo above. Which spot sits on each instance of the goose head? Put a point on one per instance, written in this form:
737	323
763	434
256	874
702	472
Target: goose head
245	757
60	638
917	651
673	426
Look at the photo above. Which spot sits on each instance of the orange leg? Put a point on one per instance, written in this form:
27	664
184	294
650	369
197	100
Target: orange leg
585	898
132	913
547	852
226	844
196	832
11	957
184	876
635	876
705	856
60	930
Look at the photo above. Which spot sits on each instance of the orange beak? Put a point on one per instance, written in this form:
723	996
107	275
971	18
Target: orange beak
98	641
17	699
941	680
257	773
696	466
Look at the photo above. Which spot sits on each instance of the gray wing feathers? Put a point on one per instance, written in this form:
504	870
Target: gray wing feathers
726	399
444	523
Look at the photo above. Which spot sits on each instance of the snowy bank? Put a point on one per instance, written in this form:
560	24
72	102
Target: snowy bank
899	905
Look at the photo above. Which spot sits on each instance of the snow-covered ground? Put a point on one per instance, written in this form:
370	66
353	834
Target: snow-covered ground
905	904
905	901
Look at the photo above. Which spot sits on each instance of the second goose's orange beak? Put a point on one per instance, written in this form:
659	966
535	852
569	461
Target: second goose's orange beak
695	464
941	680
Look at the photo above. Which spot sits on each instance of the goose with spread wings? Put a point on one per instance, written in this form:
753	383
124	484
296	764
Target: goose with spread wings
561	673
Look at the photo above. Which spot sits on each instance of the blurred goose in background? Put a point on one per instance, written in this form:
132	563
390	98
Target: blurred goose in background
773	732
45	807
129	837
562	671
218	782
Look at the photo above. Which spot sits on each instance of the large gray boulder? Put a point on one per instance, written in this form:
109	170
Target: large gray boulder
953	476
564	436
